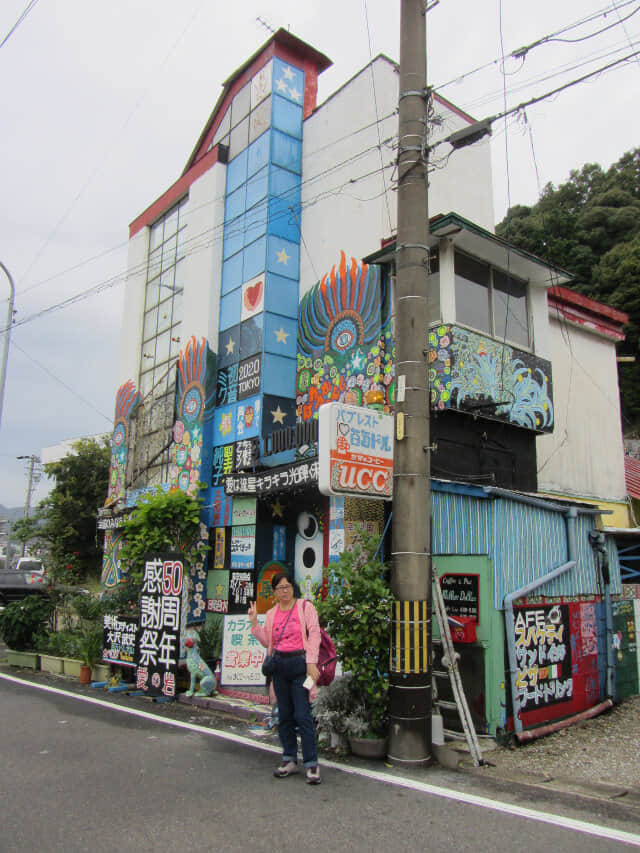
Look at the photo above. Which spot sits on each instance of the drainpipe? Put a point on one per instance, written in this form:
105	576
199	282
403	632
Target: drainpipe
570	516
597	541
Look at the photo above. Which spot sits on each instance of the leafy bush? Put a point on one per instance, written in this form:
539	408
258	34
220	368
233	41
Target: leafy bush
22	621
357	614
211	638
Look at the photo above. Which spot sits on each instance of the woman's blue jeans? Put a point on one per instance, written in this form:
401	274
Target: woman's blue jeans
294	709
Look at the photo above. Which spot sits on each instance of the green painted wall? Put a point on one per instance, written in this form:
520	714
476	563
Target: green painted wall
625	635
489	647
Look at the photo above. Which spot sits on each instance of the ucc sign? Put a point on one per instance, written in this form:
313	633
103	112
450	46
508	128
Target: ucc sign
355	451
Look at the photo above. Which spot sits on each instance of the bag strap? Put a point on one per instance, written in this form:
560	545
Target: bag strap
282	630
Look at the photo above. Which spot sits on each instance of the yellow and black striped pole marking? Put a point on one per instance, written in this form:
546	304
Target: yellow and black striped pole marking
410	647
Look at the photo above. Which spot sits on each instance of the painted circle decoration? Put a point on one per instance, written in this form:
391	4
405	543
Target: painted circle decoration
344	332
119	435
192	403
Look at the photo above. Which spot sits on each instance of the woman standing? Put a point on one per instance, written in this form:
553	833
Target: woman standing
292	634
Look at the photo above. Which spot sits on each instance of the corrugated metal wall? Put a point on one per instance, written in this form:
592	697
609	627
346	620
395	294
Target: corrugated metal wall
461	524
524	542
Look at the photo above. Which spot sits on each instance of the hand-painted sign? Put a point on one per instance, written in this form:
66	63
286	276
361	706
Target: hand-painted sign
119	640
461	596
160	612
355	451
242	654
543	655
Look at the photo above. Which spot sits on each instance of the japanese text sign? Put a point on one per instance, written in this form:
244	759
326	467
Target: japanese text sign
355	451
159	632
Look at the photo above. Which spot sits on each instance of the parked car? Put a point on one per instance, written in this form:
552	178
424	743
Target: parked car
27	578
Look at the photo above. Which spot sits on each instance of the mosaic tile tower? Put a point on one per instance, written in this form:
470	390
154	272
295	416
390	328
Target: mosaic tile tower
257	352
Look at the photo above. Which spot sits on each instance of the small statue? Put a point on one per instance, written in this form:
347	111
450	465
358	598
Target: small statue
197	667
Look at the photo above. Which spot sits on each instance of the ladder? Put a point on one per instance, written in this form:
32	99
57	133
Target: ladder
450	660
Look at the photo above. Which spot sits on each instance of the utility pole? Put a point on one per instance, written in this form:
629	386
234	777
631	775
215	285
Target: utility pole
34	473
410	691
7	335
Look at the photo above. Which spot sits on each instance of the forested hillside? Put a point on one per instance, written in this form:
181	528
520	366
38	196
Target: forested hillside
590	225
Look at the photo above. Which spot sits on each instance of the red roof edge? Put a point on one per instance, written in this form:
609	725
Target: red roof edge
587	312
175	192
285	46
632	476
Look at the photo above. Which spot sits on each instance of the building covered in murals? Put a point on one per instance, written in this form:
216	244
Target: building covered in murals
260	287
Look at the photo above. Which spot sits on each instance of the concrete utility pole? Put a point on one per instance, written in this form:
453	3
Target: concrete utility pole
34	474
7	335
410	672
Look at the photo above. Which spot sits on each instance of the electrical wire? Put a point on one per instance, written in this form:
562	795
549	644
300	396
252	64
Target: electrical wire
28	8
375	103
61	382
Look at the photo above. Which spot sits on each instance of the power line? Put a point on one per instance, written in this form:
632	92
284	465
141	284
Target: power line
61	382
28	8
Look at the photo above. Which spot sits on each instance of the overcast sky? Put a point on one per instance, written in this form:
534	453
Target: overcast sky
101	105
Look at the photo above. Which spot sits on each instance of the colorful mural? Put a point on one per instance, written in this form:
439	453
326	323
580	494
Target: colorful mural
344	340
127	399
195	399
111	567
467	370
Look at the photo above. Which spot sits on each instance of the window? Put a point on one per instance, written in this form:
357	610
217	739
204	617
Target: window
491	301
160	346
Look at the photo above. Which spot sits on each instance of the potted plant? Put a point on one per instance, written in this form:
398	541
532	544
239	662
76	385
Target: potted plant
356	613
90	647
21	623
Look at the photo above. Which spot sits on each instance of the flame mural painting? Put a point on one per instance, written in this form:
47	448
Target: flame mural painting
127	399
344	340
195	401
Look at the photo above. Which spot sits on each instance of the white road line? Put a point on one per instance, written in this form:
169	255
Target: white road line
399	781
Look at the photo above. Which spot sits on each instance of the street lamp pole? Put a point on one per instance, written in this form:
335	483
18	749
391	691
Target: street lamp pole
7	335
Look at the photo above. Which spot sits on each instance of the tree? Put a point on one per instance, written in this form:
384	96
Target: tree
162	521
69	512
590	225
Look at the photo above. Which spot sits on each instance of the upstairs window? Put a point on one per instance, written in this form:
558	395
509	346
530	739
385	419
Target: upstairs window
491	301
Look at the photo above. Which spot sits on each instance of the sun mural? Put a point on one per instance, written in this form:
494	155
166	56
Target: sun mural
345	348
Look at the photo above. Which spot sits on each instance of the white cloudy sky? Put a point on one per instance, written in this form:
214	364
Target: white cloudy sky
102	103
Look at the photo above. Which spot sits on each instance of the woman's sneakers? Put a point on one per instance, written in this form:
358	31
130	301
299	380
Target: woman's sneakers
313	775
287	768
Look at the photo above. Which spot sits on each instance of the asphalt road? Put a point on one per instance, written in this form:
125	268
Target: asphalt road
80	775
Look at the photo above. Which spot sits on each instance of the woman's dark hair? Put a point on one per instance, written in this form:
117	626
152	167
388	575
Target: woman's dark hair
275	580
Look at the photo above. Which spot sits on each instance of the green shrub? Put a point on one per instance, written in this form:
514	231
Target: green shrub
22	621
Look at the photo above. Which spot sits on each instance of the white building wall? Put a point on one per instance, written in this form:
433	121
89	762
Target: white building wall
584	455
345	172
205	215
133	307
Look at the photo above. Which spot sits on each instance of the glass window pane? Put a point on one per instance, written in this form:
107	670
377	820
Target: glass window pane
510	315
178	280
472	293
169	252
162	347
155	238
164	315
176	345
148	354
177	309
154	263
171	224
181	248
146	382
153	293
150	326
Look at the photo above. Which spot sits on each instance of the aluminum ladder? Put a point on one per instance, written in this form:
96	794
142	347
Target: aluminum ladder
450	660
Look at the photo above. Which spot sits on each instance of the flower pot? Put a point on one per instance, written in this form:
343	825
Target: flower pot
52	664
85	674
29	660
368	747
